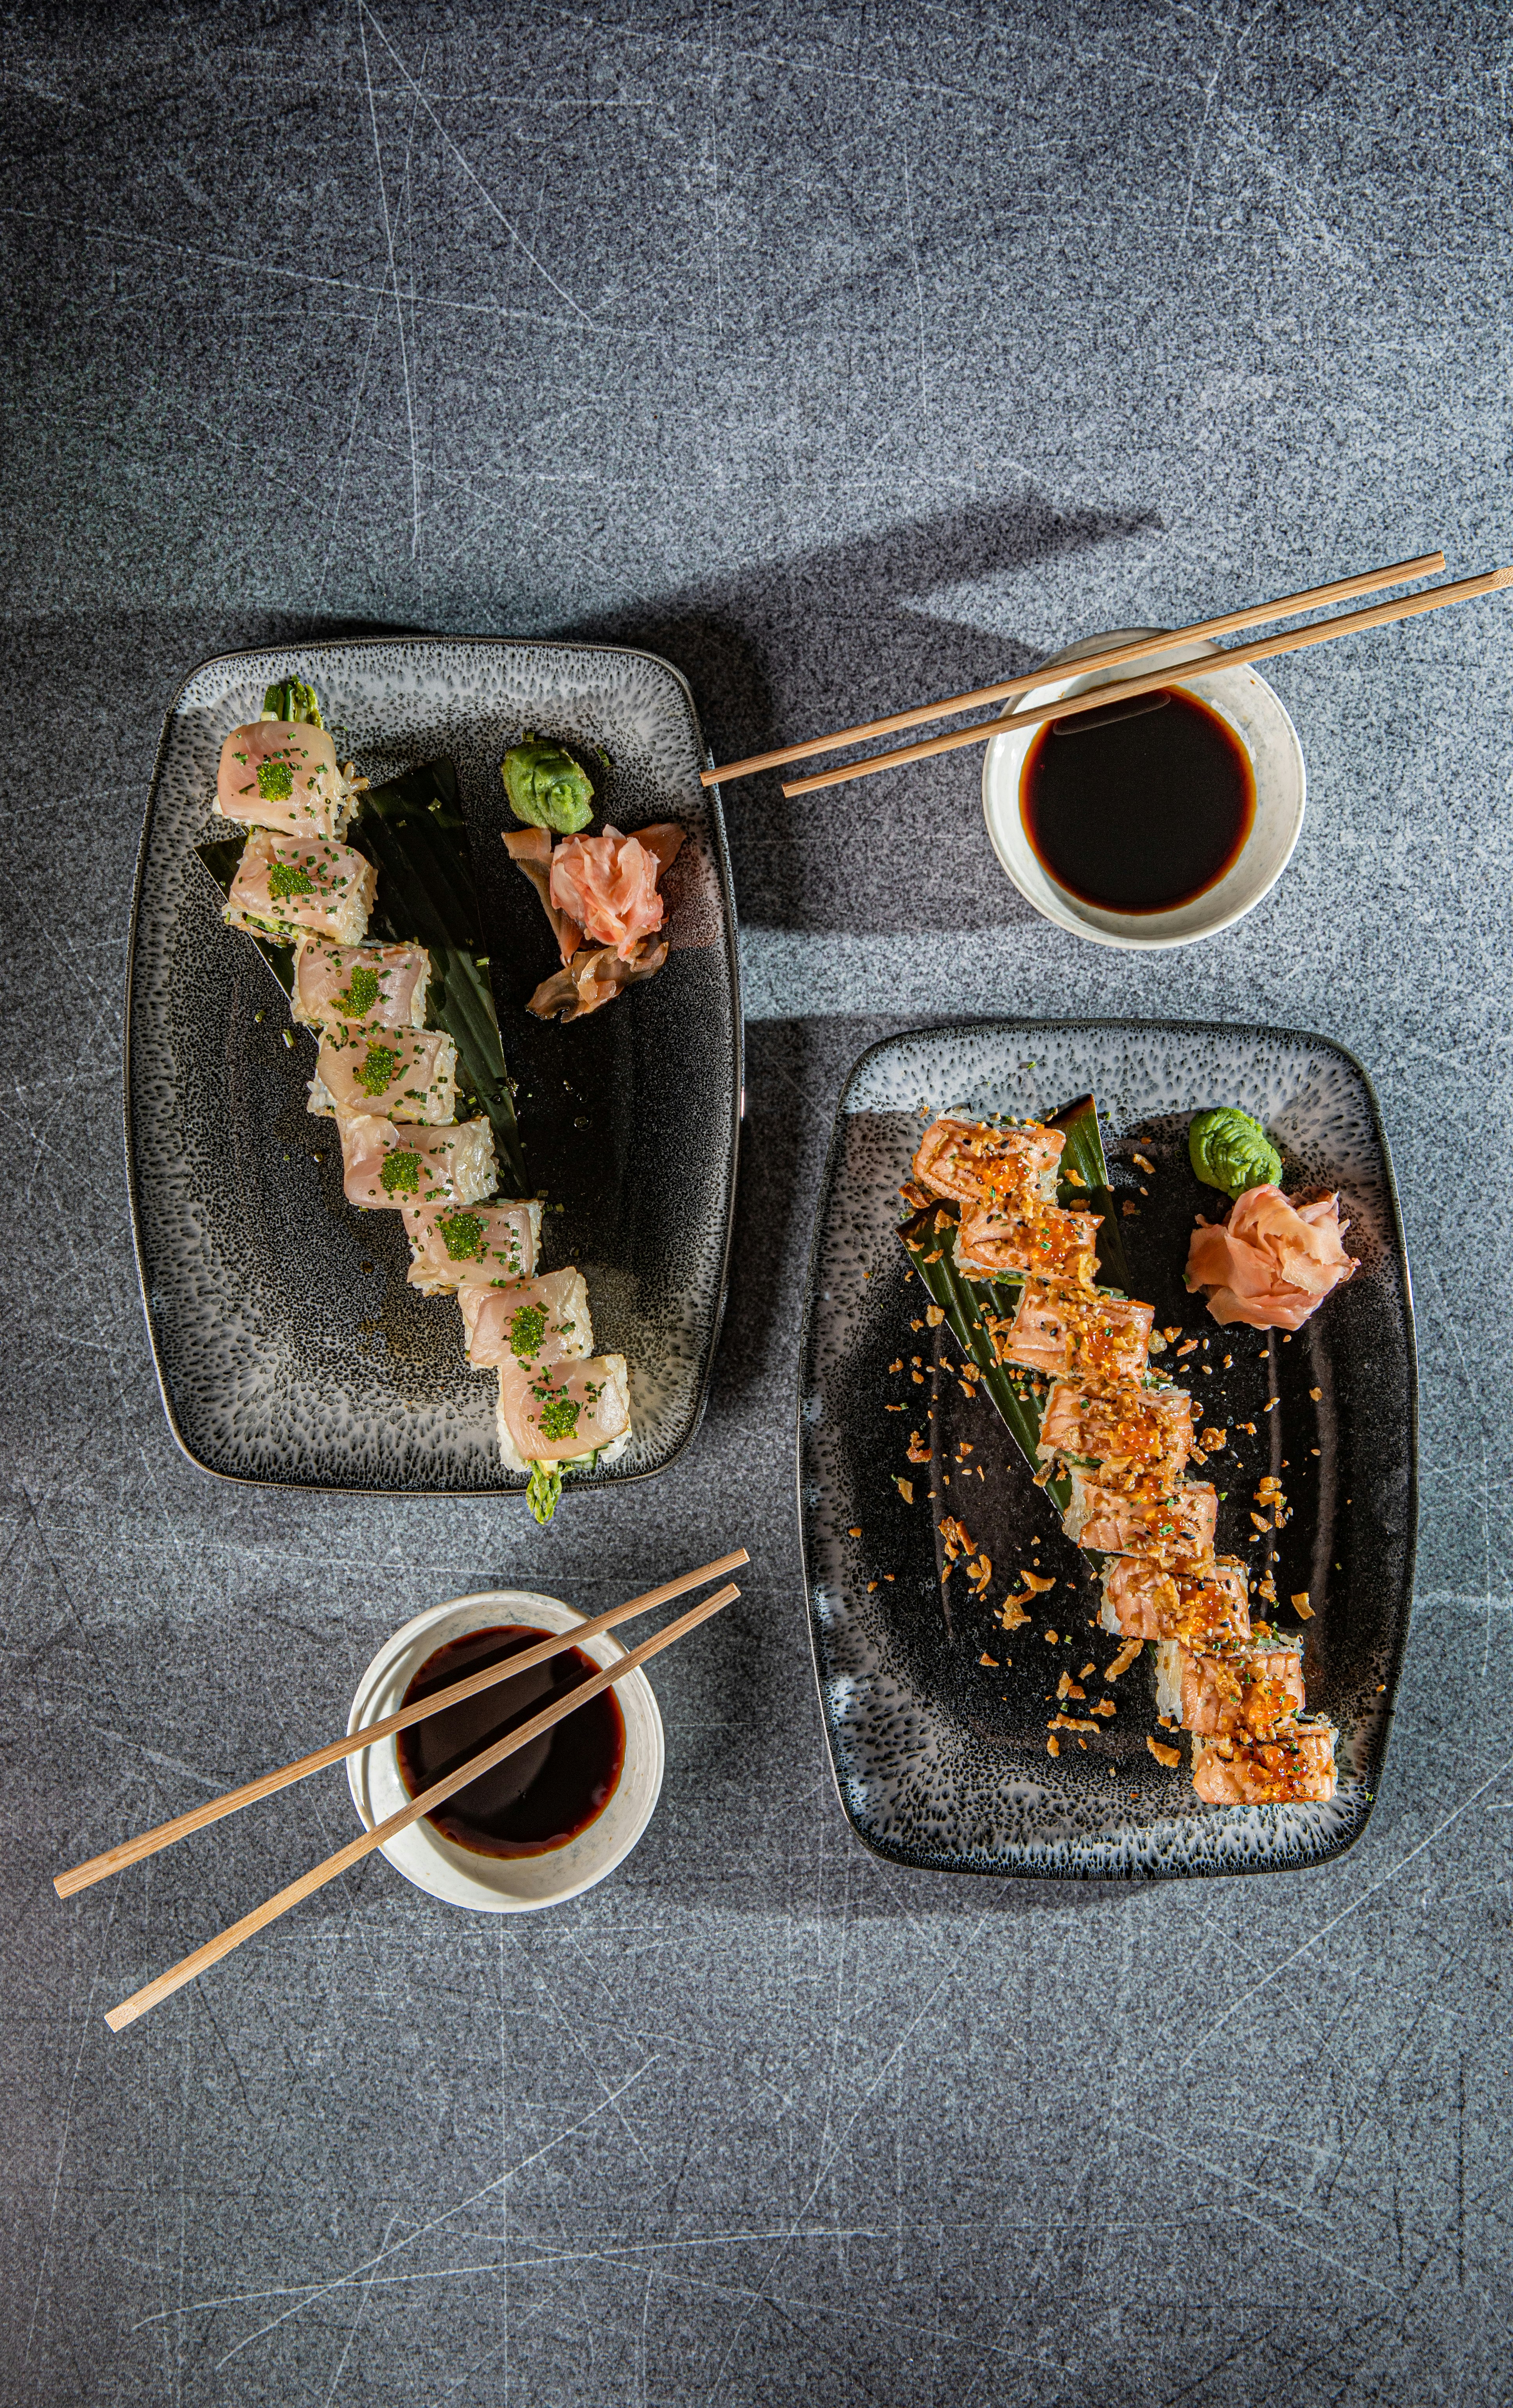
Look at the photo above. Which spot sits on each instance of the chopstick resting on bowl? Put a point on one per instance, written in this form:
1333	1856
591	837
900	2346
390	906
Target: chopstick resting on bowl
147	1843
1229	623
1100	698
200	1959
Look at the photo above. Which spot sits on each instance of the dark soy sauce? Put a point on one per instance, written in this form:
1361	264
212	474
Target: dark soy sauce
1140	808
546	1793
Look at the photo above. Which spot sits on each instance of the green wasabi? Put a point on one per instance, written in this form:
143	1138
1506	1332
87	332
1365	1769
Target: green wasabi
1228	1150
546	788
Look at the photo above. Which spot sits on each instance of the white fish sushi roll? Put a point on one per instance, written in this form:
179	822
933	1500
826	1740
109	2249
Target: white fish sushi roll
403	1074
533	1322
385	1167
291	886
483	1246
564	1412
381	986
283	774
1297	1763
1249	1690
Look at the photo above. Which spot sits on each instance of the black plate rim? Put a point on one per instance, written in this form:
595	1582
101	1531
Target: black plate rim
612	1476
916	1860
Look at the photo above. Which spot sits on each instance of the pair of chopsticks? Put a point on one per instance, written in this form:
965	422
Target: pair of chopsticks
1351	622
147	1843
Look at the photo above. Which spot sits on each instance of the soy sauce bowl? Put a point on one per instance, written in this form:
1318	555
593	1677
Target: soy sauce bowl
1248	706
502	1884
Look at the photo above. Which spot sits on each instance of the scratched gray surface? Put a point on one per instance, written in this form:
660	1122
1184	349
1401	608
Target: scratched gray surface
844	354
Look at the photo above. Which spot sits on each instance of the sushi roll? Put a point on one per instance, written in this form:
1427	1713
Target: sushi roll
1207	1609
1083	1332
1246	1692
483	1246
972	1164
998	1243
378	986
1168	1530
283	774
535	1322
386	1167
566	1413
403	1074
1143	1430
1297	1763
291	886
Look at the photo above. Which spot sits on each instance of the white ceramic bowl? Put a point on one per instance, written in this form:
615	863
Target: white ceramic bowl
502	1884
1249	705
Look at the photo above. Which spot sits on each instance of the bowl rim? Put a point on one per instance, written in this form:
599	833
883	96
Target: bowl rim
1125	938
456	1868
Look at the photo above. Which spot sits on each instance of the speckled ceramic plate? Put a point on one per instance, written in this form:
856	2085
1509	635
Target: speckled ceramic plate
289	1346
941	1759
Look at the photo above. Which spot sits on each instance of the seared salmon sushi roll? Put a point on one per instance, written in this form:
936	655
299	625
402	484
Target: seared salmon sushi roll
1297	1763
562	1411
1171	1530
1205	1609
405	1074
998	1243
485	1245
385	1167
1247	1691
536	1322
972	1163
291	886
1081	1332
1122	1431
376	986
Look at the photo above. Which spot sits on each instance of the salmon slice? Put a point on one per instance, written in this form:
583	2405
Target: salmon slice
1099	1337
1297	1764
1246	1692
1178	1529
997	1243
1148	1432
1205	1609
974	1163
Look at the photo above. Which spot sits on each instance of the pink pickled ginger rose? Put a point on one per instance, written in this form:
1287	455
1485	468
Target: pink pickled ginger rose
1271	1263
608	885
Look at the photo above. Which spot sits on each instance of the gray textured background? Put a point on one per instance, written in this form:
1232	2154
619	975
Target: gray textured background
845	354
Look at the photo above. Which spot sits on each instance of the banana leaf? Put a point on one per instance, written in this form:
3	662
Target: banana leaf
413	832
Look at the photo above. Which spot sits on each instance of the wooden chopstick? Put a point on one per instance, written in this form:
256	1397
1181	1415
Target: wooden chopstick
1341	589
147	1843
154	1992
1351	622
